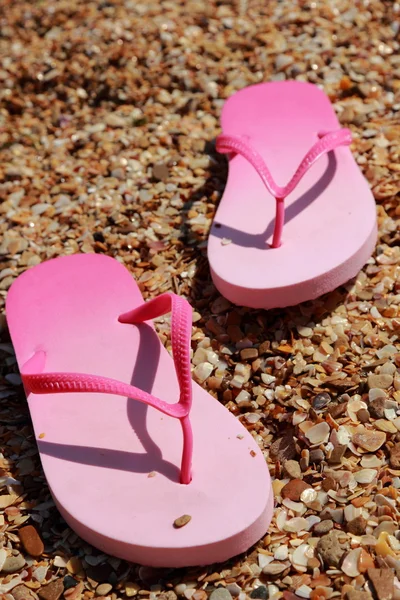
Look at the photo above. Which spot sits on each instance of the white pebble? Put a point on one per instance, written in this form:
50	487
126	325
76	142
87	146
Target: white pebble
318	434
303	591
281	553
203	371
350	563
365	475
296	524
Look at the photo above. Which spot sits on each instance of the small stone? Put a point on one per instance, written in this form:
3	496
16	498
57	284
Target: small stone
182	521
52	591
114	120
294	489
249	353
283	449
321	401
160	172
316	456
21	592
12	564
357	526
363	415
350	563
259	592
220	593
386	426
337	454
69	582
103	589
31	541
358	595
382	381
330	549
131	588
394	458
383	582
233	589
369	440
292	468
323	527
328	484
377	407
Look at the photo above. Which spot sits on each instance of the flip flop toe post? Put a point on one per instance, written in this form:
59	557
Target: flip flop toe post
297	217
141	463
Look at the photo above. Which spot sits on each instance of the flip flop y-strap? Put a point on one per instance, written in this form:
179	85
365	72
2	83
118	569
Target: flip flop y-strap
232	144
37	382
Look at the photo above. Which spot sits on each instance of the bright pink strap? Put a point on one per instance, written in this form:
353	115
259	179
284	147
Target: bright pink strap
235	144
181	326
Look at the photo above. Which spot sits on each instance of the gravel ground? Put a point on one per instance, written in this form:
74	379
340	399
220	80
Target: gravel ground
108	112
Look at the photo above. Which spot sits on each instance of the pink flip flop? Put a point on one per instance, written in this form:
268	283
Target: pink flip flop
273	246
122	470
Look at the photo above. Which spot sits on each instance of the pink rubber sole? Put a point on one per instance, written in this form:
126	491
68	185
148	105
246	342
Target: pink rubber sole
98	450
330	218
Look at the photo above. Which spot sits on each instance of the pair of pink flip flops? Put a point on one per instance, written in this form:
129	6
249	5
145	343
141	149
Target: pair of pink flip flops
142	463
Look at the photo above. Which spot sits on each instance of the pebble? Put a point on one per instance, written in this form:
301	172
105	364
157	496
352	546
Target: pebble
316	456
220	593
70	582
233	589
321	400
132	588
363	415
358	595
294	489
21	592
383	582
31	541
103	589
259	592
394	459
52	591
12	564
114	120
357	526
249	353
377	407
160	172
182	521
369	440
331	549
328	484
323	527
292	468
381	381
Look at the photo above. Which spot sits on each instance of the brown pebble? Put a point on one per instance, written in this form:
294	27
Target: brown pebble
52	591
248	353
363	415
160	172
328	484
357	526
21	592
337	410
294	489
323	527
103	589
383	582
182	521
337	454
292	468
31	541
394	458
378	406
358	595
264	347
330	549
316	456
